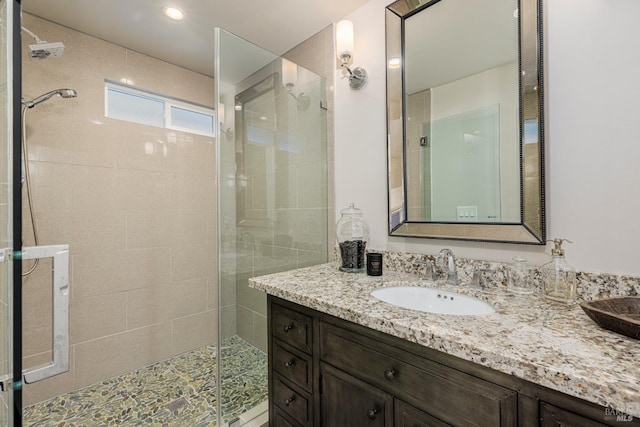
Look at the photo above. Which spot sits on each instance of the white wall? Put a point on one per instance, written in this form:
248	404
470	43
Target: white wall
592	68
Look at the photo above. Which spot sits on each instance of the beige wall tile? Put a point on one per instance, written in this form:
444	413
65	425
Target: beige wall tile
227	290
96	316
146	147
249	298
149	229
105	272
139	189
194	331
153	305
227	321
124	352
192	262
37	310
244	323
86	231
260	338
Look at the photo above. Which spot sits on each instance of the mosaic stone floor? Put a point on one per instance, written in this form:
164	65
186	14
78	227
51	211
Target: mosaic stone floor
177	392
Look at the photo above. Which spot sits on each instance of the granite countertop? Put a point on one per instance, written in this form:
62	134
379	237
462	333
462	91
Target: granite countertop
550	344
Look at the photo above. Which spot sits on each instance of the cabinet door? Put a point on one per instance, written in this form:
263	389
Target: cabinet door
348	402
551	416
408	416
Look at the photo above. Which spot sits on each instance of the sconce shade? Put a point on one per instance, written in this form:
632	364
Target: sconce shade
221	113
344	38
289	72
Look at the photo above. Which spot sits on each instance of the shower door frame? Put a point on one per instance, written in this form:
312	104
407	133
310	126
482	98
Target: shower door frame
17	212
13	212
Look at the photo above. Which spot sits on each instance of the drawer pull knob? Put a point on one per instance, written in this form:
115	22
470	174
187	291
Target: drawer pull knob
390	374
290	400
287	328
289	364
371	414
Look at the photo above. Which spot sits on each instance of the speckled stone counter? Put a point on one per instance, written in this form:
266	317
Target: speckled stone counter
546	343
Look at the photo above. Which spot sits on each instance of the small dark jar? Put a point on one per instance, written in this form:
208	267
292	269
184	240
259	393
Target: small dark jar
374	264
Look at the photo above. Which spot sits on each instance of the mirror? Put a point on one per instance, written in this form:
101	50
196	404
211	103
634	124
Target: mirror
464	120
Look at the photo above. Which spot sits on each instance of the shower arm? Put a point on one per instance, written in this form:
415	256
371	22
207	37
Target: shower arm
32	34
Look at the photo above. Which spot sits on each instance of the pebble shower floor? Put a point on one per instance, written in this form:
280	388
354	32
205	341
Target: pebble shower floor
177	392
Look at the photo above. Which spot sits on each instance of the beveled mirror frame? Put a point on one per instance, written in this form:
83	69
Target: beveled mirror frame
532	228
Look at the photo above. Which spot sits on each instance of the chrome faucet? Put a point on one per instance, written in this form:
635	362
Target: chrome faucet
446	255
428	274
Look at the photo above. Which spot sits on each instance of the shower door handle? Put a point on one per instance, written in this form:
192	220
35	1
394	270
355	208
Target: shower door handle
60	326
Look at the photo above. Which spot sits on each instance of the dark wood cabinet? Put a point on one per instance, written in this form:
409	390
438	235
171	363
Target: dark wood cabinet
325	371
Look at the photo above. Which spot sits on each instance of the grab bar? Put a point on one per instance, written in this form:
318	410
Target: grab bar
60	327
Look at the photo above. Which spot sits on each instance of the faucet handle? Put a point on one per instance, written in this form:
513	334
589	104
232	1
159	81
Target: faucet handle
478	279
428	274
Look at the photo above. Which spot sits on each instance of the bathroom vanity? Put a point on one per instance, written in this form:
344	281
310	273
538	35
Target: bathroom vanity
339	357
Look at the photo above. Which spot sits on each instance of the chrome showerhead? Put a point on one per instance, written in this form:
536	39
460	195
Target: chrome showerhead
43	49
64	93
46	50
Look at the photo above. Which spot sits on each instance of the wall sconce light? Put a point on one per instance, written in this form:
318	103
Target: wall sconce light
344	48
289	80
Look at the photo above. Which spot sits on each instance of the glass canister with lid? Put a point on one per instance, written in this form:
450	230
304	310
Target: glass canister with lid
352	234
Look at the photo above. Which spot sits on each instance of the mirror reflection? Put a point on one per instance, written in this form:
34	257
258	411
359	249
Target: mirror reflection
464	116
461	98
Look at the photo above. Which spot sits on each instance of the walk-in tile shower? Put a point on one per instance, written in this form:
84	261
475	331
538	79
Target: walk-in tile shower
165	220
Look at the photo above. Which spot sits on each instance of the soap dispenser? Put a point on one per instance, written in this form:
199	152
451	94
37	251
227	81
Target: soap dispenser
558	277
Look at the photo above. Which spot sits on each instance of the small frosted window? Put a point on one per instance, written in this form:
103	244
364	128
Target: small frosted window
260	135
136	108
191	120
137	105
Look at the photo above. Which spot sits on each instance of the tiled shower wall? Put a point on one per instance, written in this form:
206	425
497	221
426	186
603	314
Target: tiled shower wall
135	203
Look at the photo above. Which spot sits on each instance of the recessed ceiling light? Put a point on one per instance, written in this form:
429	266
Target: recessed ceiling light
173	13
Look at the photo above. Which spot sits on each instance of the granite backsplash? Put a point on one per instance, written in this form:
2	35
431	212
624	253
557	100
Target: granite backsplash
589	286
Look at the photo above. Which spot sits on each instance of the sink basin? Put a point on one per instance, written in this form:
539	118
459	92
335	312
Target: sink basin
433	300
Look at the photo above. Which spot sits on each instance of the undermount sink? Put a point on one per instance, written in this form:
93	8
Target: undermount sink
433	300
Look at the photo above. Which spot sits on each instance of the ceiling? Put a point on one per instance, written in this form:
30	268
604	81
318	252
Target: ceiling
451	40
275	25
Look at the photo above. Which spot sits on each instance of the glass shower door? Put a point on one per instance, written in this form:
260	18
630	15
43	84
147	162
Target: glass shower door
6	138
272	207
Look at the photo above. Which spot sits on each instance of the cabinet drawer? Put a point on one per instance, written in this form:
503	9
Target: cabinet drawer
550	416
293	365
408	416
449	395
281	420
296	404
292	327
